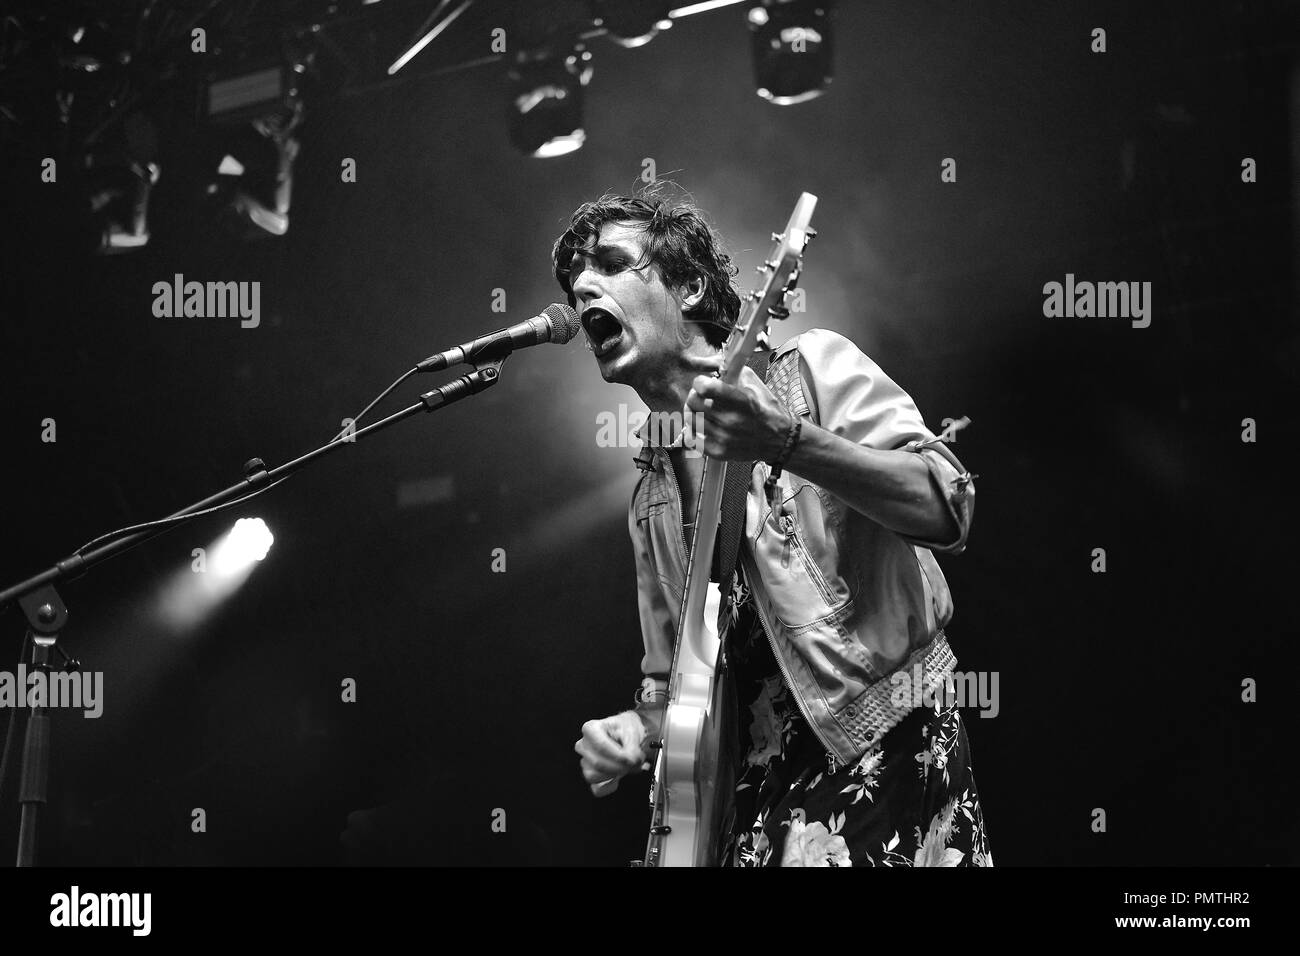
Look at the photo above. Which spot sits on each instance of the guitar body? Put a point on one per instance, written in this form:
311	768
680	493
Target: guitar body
692	790
698	728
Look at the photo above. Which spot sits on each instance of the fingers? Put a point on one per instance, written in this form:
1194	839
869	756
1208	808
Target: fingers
709	364
593	776
706	386
598	764
610	748
600	778
699	398
731	396
706	394
614	733
628	731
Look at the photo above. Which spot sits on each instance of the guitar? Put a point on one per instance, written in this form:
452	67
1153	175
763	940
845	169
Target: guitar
690	794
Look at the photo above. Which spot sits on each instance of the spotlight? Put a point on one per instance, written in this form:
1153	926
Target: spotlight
791	43
119	202
255	105
545	108
120	177
247	543
197	589
632	23
255	177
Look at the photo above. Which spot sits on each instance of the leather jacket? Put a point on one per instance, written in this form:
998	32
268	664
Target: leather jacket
845	602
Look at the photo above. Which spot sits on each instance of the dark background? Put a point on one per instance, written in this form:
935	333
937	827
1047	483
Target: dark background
1118	691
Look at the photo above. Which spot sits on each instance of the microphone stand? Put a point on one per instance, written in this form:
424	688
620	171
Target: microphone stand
46	613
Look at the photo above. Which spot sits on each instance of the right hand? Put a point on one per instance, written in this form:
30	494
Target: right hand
611	748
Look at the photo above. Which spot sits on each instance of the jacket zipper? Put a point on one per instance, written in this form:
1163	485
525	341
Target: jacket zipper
762	619
814	572
785	673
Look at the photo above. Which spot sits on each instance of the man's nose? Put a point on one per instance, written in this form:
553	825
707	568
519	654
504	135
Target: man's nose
585	288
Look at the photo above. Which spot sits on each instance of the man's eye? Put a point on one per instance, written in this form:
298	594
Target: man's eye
612	264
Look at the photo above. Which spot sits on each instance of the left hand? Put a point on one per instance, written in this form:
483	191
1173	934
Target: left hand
742	422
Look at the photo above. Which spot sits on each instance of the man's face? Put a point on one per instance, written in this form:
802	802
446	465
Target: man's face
631	318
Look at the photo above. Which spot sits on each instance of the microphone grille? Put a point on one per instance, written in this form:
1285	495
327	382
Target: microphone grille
564	322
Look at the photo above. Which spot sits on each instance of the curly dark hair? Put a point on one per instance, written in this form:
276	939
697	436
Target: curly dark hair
677	239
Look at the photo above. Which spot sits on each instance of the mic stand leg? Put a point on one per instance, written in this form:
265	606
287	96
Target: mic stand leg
34	772
46	615
16	719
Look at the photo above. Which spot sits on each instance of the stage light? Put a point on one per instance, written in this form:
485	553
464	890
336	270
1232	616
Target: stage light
119	202
546	98
120	176
561	145
791	44
212	576
247	543
631	23
255	105
254	182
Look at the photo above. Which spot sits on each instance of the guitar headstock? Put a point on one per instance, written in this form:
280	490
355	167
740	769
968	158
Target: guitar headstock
782	266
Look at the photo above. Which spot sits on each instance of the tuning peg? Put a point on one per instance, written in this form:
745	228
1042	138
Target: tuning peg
778	236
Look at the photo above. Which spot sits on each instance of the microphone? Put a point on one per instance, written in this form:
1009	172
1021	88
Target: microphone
557	323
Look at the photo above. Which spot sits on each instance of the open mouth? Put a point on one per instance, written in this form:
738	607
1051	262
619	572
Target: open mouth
603	330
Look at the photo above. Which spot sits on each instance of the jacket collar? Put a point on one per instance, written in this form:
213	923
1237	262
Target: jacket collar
644	459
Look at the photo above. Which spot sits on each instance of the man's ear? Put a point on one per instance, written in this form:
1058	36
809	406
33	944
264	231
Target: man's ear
692	291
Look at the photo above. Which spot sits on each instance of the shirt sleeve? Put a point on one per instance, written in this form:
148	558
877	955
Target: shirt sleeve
657	632
850	395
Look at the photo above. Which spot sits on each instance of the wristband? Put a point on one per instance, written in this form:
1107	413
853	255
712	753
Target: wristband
791	439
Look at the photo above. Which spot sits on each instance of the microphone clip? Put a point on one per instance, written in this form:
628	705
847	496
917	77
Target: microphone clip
484	376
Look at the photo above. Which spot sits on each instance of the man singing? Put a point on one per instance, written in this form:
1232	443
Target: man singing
837	615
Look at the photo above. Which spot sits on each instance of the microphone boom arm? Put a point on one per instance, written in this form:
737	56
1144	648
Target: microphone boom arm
484	376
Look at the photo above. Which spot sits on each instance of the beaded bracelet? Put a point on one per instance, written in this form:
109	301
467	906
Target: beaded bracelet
791	439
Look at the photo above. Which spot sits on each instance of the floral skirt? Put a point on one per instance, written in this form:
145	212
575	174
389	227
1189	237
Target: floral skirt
908	801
